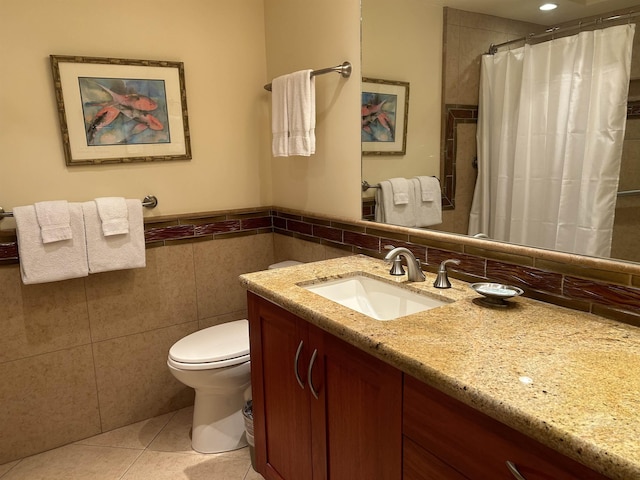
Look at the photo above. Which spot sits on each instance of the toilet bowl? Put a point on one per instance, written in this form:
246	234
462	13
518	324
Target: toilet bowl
215	362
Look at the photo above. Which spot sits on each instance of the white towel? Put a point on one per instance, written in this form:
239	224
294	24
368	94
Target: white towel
427	213
301	107
279	117
53	218
113	214
401	189
429	189
388	212
50	262
114	252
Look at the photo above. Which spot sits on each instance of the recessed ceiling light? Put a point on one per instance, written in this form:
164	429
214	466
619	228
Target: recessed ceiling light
548	6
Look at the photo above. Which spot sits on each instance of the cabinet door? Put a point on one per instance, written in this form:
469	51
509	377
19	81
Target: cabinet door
419	464
282	426
475	444
358	414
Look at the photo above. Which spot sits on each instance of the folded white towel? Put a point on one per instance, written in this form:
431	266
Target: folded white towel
113	214
429	189
401	189
388	212
50	262
279	117
301	107
54	221
427	213
114	252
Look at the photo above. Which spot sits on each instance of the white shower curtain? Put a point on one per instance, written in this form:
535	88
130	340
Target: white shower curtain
551	124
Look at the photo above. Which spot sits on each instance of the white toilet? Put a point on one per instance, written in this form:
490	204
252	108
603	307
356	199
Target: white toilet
215	362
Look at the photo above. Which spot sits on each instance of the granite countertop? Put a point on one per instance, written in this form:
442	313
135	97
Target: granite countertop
570	380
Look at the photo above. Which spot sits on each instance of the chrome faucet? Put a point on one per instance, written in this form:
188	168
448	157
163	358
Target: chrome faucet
414	268
442	280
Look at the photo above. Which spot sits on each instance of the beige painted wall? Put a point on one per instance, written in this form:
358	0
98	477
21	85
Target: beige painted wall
402	41
222	45
304	34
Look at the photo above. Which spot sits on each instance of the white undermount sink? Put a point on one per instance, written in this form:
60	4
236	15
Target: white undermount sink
375	298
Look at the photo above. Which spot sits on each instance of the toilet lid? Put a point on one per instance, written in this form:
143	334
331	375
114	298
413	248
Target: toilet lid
213	344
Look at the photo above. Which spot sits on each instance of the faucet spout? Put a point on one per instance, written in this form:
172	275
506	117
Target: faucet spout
414	269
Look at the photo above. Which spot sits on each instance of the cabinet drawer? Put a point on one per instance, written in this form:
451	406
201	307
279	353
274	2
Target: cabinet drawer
477	445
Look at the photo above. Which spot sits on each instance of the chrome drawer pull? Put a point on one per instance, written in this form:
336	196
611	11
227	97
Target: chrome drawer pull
309	377
514	470
295	365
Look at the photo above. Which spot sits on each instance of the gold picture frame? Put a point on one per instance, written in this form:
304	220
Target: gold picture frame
385	113
114	110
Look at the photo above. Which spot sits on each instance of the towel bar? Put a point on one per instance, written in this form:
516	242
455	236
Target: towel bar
344	70
150	201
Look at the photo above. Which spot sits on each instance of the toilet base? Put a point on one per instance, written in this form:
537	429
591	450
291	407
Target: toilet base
218	424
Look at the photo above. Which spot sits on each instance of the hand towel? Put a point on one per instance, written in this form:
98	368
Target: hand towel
400	188
429	189
427	213
115	252
388	212
279	117
53	218
113	215
301	107
49	262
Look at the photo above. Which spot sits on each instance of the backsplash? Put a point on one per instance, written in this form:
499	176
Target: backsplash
610	289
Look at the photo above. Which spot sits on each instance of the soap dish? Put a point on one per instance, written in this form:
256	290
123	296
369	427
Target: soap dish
495	294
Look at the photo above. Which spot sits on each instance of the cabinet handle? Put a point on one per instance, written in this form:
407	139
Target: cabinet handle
514	470
295	364
309	377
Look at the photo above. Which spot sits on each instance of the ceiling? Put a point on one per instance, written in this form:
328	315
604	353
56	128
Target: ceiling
528	11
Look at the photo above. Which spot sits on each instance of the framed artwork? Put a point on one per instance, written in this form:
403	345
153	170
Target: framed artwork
385	111
114	110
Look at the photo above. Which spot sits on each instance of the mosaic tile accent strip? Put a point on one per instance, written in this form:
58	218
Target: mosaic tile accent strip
613	300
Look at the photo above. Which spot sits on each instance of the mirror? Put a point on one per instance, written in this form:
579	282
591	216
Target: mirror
444	95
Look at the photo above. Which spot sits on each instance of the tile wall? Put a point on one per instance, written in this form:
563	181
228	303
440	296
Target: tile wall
88	355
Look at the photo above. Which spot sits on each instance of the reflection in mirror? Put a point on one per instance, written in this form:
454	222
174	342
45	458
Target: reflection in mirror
462	38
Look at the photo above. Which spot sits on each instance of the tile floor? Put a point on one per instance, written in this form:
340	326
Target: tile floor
154	449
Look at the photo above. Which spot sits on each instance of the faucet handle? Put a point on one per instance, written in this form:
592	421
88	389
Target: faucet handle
442	280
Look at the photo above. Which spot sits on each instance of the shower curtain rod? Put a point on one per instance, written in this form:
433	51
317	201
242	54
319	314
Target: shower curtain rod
493	48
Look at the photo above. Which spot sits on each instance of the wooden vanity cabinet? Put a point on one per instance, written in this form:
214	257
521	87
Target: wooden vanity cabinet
322	408
449	435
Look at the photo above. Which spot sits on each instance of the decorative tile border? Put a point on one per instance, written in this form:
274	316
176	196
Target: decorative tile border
544	275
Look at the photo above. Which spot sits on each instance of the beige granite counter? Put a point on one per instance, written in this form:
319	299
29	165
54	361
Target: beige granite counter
568	379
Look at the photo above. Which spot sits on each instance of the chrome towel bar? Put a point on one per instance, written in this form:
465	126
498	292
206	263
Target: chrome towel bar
344	70
150	201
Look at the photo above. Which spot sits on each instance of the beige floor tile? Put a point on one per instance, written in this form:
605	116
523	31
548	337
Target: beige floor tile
253	475
175	436
7	466
136	436
75	462
178	466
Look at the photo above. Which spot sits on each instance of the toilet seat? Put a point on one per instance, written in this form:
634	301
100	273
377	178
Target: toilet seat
219	346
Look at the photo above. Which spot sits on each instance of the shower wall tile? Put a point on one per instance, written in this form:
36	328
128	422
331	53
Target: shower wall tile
134	382
124	302
218	265
48	400
40	318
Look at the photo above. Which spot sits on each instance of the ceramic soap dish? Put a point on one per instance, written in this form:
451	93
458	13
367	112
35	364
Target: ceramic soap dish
495	295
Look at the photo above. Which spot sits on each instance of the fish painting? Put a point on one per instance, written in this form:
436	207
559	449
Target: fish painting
124	111
378	117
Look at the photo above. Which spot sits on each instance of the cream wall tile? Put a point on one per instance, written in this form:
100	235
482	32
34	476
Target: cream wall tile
40	318
290	248
125	302
133	379
47	401
218	265
227	317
